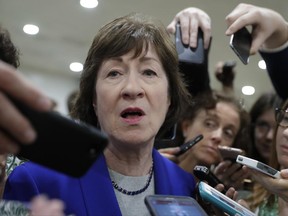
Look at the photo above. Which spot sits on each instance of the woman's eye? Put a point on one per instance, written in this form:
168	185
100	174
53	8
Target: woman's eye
113	74
150	73
229	134
210	124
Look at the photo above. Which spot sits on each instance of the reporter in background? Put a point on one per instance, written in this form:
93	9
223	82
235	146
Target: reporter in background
206	109
270	38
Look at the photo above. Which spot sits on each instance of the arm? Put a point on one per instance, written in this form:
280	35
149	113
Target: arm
190	19
269	31
225	74
276	186
277	67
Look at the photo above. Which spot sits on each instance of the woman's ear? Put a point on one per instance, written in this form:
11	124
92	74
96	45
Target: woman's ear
95	107
184	127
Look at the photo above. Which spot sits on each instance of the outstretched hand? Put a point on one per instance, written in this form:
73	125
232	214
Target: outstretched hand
269	28
12	122
190	20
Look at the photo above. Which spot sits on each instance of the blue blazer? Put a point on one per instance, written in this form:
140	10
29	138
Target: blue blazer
277	67
92	194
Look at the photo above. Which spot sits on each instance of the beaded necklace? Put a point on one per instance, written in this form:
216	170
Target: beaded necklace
133	193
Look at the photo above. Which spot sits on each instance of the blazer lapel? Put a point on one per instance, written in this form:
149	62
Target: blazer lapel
98	192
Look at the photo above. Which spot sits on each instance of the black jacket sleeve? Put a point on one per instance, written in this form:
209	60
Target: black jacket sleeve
277	67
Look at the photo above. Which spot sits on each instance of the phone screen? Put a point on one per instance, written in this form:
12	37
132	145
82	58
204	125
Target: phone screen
165	205
240	43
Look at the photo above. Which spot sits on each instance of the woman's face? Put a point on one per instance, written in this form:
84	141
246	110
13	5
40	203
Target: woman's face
132	98
219	126
282	144
263	133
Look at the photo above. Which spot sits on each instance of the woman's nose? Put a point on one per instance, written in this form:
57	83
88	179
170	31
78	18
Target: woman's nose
217	136
132	87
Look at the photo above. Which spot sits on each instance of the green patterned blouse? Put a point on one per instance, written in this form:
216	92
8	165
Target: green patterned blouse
269	207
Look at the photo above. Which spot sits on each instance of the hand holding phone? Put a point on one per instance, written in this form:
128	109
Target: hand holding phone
218	199
230	153
186	146
240	42
204	174
62	144
169	205
185	52
259	166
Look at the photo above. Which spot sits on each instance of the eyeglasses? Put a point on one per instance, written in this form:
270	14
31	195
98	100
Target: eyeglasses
281	117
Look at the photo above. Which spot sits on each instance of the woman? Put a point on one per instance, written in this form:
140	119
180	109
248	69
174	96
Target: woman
263	124
268	200
270	34
222	121
130	88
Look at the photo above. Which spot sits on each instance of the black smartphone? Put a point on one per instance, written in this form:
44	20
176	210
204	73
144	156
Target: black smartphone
169	135
230	153
203	174
185	52
62	144
240	42
189	144
169	205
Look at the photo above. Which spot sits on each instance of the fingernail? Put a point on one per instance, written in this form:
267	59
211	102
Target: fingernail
228	32
285	172
29	136
45	103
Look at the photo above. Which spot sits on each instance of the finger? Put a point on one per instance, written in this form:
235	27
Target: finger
7	144
236	19
194	24
14	84
257	41
284	173
171	157
171	28
171	150
13	122
205	25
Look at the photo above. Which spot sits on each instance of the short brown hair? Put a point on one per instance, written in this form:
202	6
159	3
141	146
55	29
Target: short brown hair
132	32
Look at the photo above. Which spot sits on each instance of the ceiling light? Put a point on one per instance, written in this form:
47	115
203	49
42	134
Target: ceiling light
76	67
248	90
262	64
31	29
89	3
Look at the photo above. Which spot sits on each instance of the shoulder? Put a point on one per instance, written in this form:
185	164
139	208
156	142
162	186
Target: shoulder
163	164
29	170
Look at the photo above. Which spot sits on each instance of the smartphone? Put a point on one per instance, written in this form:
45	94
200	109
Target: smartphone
257	165
186	146
168	135
62	144
221	201
240	42
169	205
230	153
203	174
185	52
